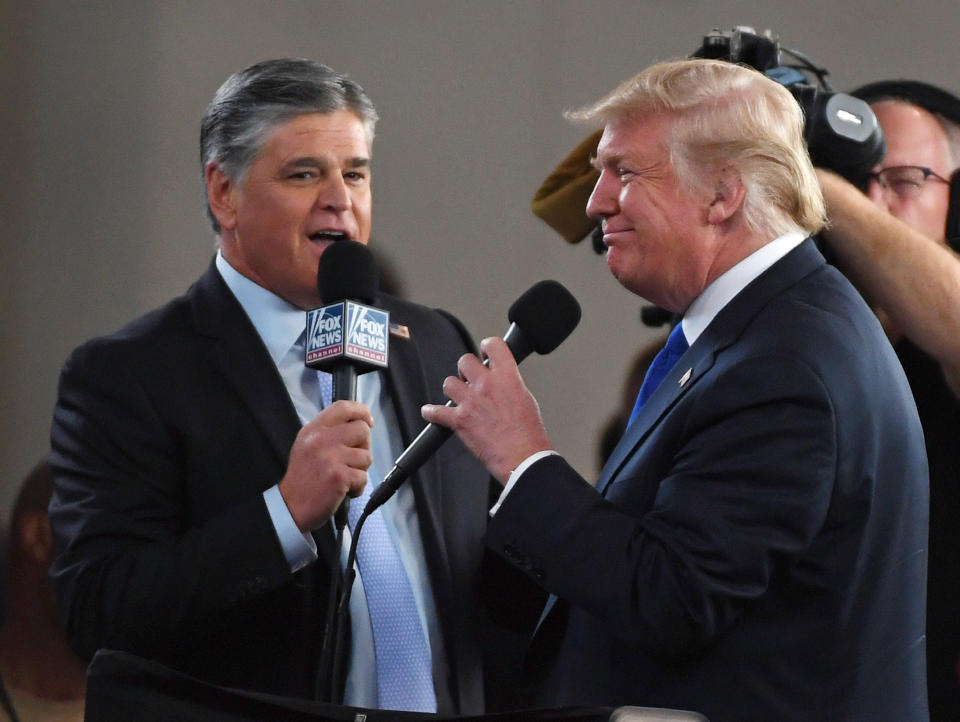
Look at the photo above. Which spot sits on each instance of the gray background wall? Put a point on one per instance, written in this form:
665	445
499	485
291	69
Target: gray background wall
101	212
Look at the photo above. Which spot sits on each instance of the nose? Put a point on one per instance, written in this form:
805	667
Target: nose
334	195
603	201
878	194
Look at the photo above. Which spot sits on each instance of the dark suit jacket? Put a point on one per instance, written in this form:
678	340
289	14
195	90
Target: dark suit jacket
165	436
758	551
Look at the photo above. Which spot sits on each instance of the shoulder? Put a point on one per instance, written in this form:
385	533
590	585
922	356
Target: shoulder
433	326
152	337
816	338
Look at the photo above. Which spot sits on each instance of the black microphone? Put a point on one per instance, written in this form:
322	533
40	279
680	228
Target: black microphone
540	320
346	338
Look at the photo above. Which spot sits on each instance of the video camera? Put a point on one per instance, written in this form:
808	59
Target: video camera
841	131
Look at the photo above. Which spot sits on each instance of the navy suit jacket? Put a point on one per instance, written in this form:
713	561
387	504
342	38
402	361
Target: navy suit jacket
164	437
756	544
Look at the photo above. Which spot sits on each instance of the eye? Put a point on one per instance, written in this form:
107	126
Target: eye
303	175
625	174
904	186
355	176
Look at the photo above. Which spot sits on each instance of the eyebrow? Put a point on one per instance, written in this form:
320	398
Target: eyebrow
355	162
608	161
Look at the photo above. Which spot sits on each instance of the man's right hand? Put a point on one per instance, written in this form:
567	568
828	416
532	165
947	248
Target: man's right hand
328	461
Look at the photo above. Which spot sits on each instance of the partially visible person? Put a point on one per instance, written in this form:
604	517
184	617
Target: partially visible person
198	462
893	243
755	547
43	679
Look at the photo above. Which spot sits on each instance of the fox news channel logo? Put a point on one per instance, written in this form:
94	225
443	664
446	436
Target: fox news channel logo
347	330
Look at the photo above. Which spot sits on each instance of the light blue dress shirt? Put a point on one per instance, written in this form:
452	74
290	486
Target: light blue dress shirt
279	325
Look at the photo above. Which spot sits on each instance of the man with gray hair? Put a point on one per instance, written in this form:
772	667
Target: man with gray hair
754	548
198	462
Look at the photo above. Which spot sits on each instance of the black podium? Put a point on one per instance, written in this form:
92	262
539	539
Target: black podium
123	687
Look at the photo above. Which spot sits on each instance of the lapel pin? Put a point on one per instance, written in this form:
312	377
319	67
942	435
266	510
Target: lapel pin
686	376
398	329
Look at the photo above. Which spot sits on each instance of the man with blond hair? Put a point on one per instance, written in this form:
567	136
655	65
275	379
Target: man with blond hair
755	546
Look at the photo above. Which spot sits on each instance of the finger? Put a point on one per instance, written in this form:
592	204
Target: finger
469	367
441	415
355	434
352	434
498	352
455	389
358	459
342	412
356	480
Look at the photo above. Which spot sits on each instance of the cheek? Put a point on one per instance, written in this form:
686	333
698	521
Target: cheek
362	204
928	218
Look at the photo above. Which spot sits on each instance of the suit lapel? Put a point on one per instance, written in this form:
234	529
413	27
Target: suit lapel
408	387
240	354
689	368
237	350
724	330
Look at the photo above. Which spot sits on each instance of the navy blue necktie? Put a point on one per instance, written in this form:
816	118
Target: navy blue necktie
662	363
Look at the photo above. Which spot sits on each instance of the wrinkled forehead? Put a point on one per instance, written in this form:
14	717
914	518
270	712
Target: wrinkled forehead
635	137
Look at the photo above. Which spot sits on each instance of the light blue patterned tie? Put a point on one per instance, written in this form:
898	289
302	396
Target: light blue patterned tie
325	381
662	363
404	674
404	664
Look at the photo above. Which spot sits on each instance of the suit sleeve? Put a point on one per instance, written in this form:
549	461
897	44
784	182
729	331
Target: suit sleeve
744	475
132	572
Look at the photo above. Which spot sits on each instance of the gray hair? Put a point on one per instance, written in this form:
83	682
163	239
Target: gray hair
952	131
253	102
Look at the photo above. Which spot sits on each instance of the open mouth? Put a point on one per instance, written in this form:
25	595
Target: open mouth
329	236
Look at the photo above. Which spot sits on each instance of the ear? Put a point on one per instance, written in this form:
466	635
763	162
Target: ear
729	194
220	195
35	538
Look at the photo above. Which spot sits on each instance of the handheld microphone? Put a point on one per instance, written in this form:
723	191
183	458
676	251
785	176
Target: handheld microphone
347	337
540	320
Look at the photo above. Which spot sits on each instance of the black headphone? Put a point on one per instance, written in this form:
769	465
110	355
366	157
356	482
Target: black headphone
935	100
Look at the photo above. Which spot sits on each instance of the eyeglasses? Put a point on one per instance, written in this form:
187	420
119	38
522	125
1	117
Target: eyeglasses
904	180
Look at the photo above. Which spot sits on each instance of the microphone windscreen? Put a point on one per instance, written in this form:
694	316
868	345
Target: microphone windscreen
547	313
347	270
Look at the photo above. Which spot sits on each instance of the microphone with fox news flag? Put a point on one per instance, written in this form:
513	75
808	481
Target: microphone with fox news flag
346	338
540	320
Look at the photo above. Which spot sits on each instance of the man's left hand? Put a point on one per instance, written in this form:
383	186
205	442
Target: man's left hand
495	415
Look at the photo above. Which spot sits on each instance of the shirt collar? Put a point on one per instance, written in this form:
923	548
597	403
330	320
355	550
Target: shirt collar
728	284
278	323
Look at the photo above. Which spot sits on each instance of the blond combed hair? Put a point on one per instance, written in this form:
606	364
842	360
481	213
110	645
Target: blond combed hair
727	116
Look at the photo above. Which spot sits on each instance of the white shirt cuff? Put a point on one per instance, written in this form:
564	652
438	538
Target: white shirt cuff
516	473
299	548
